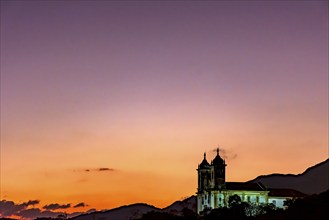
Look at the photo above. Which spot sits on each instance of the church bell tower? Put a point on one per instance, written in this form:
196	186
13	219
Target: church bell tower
218	165
211	181
204	175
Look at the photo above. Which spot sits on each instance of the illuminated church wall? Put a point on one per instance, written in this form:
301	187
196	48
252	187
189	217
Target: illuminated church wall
278	202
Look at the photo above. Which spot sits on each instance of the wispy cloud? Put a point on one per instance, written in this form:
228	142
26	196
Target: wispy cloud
101	169
105	169
91	210
55	206
226	154
81	204
31	202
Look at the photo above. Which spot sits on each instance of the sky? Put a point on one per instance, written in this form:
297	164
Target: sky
108	103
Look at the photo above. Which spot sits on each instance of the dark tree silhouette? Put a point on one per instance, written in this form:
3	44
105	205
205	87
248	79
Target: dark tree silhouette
234	200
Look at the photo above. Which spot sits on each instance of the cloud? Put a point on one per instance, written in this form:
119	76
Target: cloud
9	208
226	154
105	169
55	206
234	156
99	169
29	213
32	202
81	204
37	213
91	210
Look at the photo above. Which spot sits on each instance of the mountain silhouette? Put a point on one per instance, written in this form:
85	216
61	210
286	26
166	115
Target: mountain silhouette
313	180
133	211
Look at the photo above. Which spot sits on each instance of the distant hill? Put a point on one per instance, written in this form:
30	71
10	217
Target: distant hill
177	207
133	211
136	211
313	180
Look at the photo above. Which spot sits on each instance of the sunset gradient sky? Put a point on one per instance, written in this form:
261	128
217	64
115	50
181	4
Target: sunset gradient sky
143	88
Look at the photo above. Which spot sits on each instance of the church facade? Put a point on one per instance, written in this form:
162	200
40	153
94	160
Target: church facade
214	192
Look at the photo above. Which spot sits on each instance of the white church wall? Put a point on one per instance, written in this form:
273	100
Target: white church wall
277	201
249	196
262	200
212	200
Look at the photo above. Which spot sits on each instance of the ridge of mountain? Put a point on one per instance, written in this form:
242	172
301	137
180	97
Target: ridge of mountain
313	180
289	174
136	210
177	207
124	212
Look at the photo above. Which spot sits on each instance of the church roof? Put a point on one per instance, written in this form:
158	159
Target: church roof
218	160
274	192
204	163
245	186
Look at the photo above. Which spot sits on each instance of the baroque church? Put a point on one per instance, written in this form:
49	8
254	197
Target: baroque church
214	192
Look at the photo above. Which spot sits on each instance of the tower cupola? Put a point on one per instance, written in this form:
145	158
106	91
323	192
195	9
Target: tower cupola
219	165
218	160
204	164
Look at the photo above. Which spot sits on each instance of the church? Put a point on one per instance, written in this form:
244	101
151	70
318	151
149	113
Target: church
214	192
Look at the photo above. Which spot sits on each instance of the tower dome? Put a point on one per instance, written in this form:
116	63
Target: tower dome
218	160
204	164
